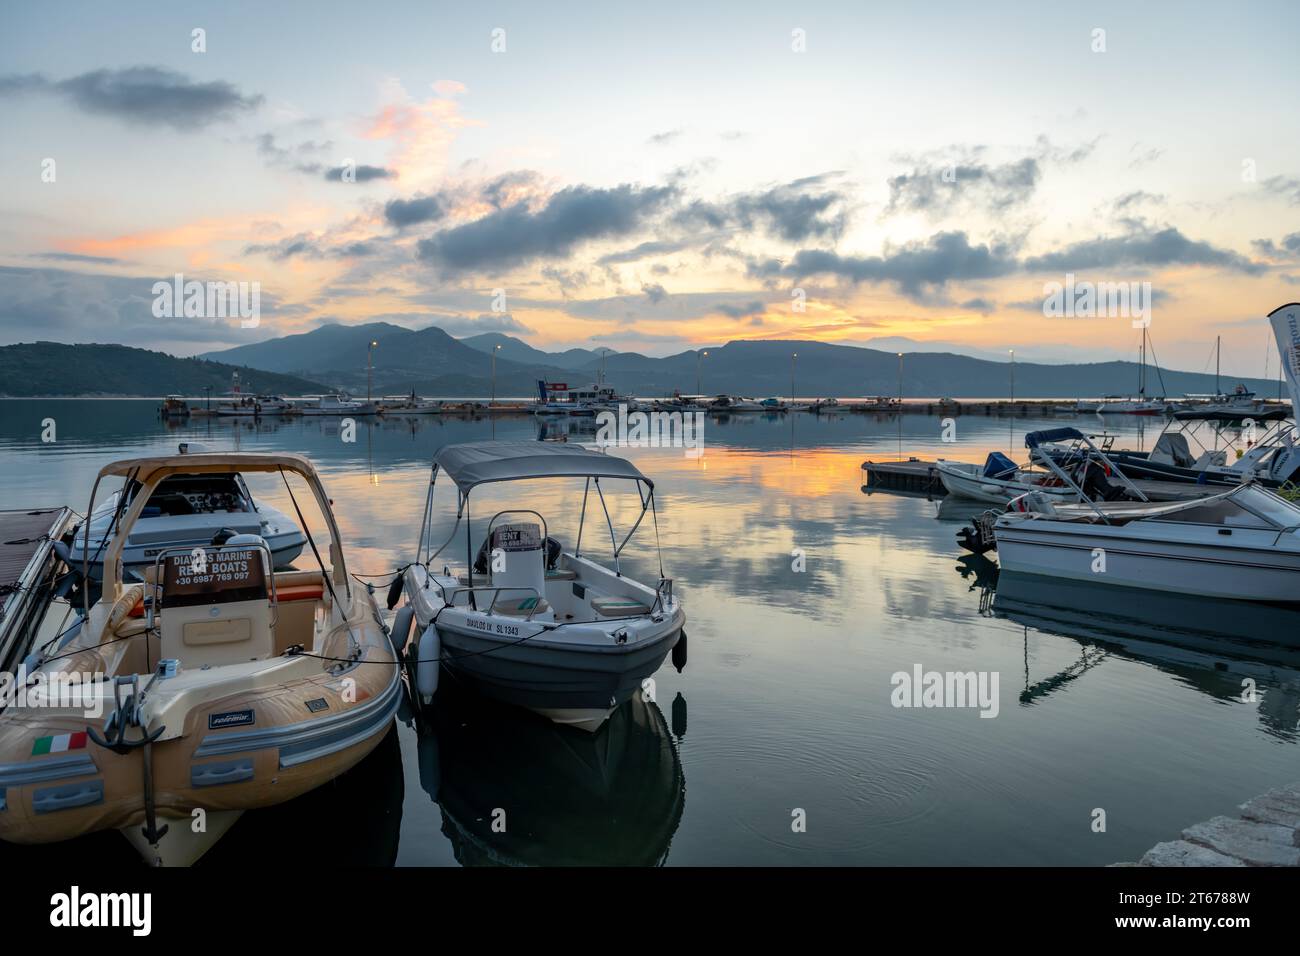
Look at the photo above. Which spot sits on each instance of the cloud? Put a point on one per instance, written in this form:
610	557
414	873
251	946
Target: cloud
642	251
664	138
59	305
360	174
1142	247
741	311
936	191
1285	186
1288	249
655	293
1138	197
918	268
74	257
517	234
497	193
308	246
410	212
292	156
143	95
796	211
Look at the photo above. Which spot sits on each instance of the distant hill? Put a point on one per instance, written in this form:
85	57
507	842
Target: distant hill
434	363
520	351
51	368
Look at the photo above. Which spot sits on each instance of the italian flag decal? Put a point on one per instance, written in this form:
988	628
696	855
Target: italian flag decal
59	744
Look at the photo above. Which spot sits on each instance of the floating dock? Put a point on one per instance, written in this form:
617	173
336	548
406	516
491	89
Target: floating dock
1265	833
918	477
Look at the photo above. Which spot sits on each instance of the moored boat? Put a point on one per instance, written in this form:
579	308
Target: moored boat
217	686
527	621
182	511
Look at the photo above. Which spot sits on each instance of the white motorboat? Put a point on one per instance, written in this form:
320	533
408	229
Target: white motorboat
735	403
1243	544
1076	470
997	481
1131	406
254	406
183	511
526	621
336	404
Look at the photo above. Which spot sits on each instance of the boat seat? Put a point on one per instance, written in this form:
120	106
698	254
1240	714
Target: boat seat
522	606
610	606
561	574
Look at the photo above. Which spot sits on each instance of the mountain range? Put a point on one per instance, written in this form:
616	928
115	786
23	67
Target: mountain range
434	363
52	368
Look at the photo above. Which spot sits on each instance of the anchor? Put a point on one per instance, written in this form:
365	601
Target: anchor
126	713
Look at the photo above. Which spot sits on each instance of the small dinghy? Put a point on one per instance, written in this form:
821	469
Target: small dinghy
527	621
185	511
996	481
215	686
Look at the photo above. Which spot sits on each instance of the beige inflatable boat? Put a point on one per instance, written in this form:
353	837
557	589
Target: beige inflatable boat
215	686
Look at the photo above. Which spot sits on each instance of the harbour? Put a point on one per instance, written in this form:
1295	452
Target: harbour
768	525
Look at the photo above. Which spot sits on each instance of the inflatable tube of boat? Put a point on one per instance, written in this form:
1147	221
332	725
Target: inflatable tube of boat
426	669
401	629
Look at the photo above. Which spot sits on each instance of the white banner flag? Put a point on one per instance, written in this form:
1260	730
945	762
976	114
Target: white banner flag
1286	326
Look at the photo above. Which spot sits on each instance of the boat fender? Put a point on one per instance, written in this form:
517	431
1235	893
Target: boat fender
395	590
400	632
679	652
426	668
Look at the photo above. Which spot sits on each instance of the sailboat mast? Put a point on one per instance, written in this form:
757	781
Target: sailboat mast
1142	370
1218	351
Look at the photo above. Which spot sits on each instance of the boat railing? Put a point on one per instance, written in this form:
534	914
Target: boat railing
497	588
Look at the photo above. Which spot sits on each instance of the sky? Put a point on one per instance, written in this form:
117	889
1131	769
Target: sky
912	176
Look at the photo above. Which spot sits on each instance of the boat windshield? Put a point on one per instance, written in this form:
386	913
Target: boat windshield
1249	508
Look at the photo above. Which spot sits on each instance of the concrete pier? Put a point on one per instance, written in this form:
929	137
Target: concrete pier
1266	833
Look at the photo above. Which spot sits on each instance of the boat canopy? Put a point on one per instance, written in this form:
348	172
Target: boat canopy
1034	439
475	463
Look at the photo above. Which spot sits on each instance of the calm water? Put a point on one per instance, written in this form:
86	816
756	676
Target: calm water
1107	700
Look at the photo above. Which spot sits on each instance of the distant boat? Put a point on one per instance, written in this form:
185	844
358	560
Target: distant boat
1240	406
174	406
254	406
336	404
408	405
735	403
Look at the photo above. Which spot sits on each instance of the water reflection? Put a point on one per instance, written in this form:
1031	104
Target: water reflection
1212	646
566	798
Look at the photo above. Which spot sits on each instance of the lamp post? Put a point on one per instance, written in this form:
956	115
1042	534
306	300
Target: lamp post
495	350
699	363
793	356
900	406
1013	375
370	365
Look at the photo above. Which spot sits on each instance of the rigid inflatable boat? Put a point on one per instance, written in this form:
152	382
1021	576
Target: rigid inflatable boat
215	686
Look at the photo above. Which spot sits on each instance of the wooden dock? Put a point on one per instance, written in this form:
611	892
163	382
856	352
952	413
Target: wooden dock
1265	833
27	567
918	477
